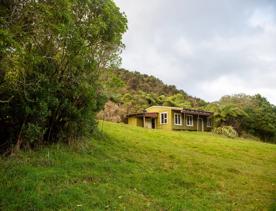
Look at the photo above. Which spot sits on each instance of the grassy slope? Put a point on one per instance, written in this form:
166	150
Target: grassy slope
136	169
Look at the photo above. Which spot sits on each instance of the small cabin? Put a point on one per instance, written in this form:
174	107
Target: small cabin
172	118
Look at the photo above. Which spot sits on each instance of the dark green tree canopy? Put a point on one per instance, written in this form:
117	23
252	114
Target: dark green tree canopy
51	53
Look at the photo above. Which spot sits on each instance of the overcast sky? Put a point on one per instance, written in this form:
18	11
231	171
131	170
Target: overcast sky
208	48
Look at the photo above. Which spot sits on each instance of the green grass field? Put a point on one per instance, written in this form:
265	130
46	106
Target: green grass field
131	168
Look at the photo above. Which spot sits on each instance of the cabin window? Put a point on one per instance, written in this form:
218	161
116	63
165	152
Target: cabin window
177	119
209	122
189	120
164	118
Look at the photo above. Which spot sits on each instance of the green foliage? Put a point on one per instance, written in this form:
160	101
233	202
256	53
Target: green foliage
177	100
252	115
51	54
131	168
227	131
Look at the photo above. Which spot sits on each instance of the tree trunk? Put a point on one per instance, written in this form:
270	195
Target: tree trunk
19	139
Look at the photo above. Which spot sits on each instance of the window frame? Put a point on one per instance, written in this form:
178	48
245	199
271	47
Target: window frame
167	118
187	121
180	119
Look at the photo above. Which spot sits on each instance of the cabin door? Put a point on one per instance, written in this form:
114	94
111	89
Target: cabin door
200	124
153	123
148	123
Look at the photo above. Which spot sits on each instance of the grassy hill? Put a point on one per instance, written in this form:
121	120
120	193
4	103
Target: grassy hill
138	169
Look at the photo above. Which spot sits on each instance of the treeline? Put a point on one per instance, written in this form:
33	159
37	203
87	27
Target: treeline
51	55
131	92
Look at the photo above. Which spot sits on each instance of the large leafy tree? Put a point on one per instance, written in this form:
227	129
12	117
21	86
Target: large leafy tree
227	114
51	54
261	119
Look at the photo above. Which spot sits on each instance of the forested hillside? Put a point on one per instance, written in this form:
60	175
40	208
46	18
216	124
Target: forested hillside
130	92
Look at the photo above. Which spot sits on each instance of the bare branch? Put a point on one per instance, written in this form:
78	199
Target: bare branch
7	101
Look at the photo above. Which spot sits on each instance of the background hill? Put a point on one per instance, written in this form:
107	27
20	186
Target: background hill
131	168
131	92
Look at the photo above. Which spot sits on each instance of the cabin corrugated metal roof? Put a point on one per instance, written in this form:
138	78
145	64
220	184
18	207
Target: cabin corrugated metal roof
196	112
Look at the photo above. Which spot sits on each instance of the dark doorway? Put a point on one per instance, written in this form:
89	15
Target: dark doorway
153	123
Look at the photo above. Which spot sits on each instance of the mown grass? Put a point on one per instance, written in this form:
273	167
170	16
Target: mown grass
131	168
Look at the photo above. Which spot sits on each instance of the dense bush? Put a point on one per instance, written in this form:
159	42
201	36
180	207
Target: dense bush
51	54
252	115
226	131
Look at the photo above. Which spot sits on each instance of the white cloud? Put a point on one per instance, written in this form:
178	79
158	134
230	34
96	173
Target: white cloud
207	48
227	85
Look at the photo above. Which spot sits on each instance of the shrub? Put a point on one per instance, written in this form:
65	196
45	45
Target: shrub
227	131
